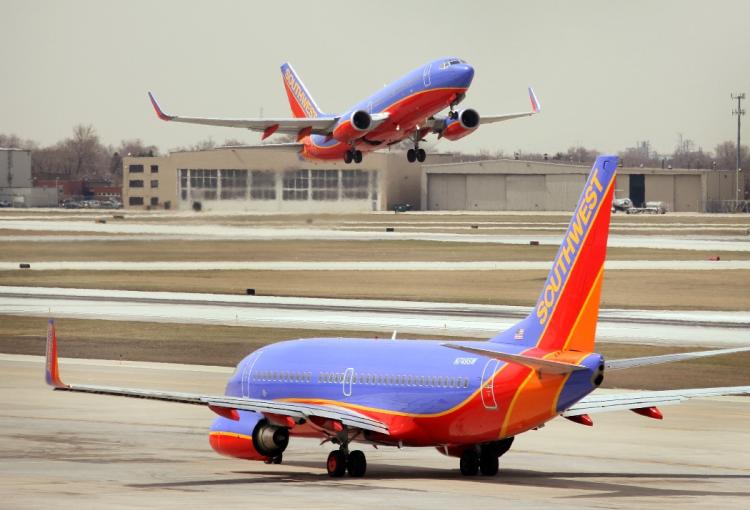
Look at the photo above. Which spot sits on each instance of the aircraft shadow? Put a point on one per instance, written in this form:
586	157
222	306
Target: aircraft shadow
620	484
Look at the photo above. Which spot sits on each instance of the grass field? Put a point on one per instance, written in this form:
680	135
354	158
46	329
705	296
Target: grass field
226	346
674	290
406	250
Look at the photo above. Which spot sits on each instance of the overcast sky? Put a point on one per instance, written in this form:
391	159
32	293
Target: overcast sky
608	73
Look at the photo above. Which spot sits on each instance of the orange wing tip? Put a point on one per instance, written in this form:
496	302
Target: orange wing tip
159	112
52	372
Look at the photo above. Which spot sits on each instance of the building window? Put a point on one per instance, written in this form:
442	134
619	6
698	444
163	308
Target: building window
154	169
135	201
354	184
136	184
204	182
263	185
135	169
324	184
154	200
296	183
233	184
154	183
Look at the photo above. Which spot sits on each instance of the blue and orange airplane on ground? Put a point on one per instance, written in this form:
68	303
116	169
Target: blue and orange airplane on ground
407	109
468	399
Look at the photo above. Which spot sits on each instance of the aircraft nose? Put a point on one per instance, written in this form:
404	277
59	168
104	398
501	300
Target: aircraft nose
464	74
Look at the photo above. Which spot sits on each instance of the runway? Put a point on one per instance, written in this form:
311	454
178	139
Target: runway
220	265
72	451
679	328
213	232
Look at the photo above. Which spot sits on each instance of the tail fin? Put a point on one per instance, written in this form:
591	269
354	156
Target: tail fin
52	372
566	312
302	103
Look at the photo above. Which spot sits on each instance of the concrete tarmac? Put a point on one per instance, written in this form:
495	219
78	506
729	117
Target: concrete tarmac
61	450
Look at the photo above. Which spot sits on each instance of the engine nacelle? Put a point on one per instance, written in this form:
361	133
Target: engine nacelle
466	123
251	437
353	127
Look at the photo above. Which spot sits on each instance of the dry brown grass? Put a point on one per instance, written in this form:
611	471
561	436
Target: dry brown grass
226	345
677	290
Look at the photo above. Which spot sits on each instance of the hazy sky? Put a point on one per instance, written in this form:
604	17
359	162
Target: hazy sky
608	73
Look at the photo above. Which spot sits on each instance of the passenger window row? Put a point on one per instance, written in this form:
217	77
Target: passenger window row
282	376
397	380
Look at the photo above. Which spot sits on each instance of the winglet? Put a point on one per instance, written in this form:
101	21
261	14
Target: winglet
536	106
159	112
52	372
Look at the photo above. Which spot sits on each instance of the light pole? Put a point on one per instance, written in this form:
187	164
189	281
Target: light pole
739	112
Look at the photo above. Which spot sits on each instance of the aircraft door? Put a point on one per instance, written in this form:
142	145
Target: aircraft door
488	384
347	382
426	78
247	371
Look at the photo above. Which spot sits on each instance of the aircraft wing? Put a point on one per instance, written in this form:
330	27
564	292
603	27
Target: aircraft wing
536	107
619	364
645	399
296	126
214	402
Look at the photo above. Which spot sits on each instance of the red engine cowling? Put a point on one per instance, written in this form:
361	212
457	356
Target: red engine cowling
466	123
251	437
353	127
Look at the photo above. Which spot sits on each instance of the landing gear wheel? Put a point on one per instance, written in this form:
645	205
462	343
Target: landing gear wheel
357	464
453	115
488	464
469	462
348	157
411	155
336	464
357	156
421	155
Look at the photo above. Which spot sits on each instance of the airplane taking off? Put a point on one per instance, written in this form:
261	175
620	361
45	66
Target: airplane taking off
468	399
407	109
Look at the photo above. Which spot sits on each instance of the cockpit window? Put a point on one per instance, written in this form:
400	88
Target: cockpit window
451	62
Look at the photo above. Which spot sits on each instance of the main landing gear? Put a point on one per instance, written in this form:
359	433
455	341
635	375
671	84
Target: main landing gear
353	155
340	461
484	458
416	154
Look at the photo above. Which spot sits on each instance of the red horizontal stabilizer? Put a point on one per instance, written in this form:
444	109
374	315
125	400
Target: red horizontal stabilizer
582	419
226	412
269	131
649	412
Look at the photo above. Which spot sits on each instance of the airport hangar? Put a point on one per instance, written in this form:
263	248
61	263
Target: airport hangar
269	180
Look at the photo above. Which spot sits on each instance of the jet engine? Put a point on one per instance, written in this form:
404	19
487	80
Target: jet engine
353	127
466	122
251	437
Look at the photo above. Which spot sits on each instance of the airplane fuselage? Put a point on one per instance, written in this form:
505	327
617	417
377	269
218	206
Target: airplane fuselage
409	101
426	393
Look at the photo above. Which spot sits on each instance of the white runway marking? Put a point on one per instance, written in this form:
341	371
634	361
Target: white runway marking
720	329
661	265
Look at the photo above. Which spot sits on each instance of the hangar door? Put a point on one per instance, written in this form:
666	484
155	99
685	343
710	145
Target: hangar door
687	193
446	192
526	193
485	192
